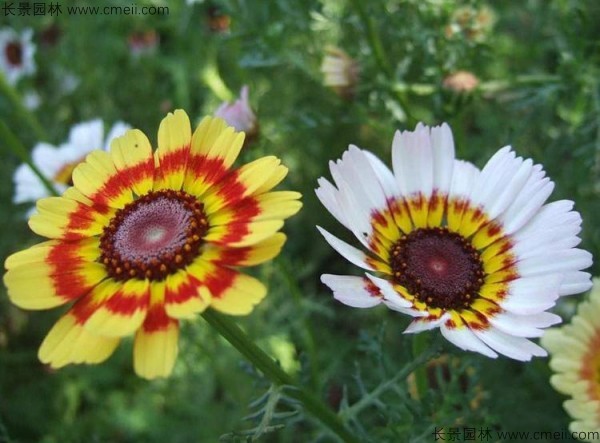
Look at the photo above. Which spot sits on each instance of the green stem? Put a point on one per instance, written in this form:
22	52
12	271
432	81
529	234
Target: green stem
238	338
420	344
369	398
20	110
380	57
489	86
307	330
10	140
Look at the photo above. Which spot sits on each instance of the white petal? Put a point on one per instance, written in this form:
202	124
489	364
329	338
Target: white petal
518	348
443	157
501	181
389	293
385	176
465	339
425	324
87	135
546	240
412	159
524	325
492	176
575	283
328	195
563	261
534	194
350	253
553	214
531	295
463	179
351	290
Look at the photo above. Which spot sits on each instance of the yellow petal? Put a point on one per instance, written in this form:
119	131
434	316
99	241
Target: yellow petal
133	158
174	139
240	298
68	342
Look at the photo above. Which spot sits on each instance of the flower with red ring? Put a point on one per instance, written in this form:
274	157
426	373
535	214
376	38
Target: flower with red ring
474	252
145	239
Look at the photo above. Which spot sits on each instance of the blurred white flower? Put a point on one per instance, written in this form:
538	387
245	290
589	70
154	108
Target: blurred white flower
16	54
239	114
57	163
31	100
340	72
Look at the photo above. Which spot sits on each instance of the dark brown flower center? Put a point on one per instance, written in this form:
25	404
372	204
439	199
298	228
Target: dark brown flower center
439	267
14	53
154	236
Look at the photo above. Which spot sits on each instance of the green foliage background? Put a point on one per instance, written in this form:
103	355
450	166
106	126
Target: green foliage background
539	72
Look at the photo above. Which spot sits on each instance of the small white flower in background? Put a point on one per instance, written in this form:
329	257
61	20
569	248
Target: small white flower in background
575	359
16	54
239	114
57	163
477	253
31	100
340	72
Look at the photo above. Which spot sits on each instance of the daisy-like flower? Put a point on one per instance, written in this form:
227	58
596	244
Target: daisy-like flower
474	252
340	72
143	240
575	357
57	163
239	114
16	54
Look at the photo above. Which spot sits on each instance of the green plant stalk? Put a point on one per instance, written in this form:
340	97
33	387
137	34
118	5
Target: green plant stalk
10	140
489	86
21	111
238	338
371	397
307	333
420	344
380	56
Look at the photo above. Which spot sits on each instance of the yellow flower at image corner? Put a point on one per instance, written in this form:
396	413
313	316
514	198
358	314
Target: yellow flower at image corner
143	240
575	359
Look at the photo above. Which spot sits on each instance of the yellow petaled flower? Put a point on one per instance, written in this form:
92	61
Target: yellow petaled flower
143	240
575	352
477	253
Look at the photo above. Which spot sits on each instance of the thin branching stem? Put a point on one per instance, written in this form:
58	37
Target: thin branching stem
372	397
238	338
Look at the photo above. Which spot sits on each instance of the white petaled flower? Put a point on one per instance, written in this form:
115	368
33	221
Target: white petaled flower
340	72
474	252
16	54
575	358
239	114
57	163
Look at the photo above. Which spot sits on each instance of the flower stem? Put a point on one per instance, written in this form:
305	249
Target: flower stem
10	139
374	395
238	338
21	111
380	57
420	344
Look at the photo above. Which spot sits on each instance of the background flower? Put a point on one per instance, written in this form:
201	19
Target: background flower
239	114
575	359
58	162
16	54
